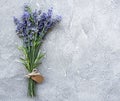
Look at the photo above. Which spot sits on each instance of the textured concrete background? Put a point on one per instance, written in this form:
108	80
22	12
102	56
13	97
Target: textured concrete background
82	53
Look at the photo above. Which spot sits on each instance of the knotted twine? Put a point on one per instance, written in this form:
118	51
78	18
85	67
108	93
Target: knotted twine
36	76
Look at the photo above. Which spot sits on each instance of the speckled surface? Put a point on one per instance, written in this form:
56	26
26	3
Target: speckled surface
82	60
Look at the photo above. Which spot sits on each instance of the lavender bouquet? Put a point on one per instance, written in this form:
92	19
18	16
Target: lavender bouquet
32	28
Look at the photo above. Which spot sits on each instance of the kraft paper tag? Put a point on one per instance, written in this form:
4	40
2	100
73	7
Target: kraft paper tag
35	75
37	78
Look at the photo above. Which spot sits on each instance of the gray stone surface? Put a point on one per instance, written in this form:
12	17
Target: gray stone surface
82	60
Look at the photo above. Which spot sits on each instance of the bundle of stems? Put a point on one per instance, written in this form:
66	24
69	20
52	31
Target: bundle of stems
32	28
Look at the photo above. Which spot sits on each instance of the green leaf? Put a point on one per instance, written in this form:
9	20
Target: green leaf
39	57
25	63
36	64
37	60
23	49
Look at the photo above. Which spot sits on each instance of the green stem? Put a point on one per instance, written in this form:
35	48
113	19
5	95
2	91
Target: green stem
31	88
33	52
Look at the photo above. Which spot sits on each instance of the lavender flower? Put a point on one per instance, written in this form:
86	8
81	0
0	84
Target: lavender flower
35	22
16	21
32	27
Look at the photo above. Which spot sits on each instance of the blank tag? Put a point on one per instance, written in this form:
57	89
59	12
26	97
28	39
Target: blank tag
37	78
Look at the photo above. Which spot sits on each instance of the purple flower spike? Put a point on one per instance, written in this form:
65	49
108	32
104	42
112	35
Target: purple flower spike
35	22
49	13
25	16
26	7
16	21
58	18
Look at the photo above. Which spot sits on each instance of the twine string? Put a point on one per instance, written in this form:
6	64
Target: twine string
33	73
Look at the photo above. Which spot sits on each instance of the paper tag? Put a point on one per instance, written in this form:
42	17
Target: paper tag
37	78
